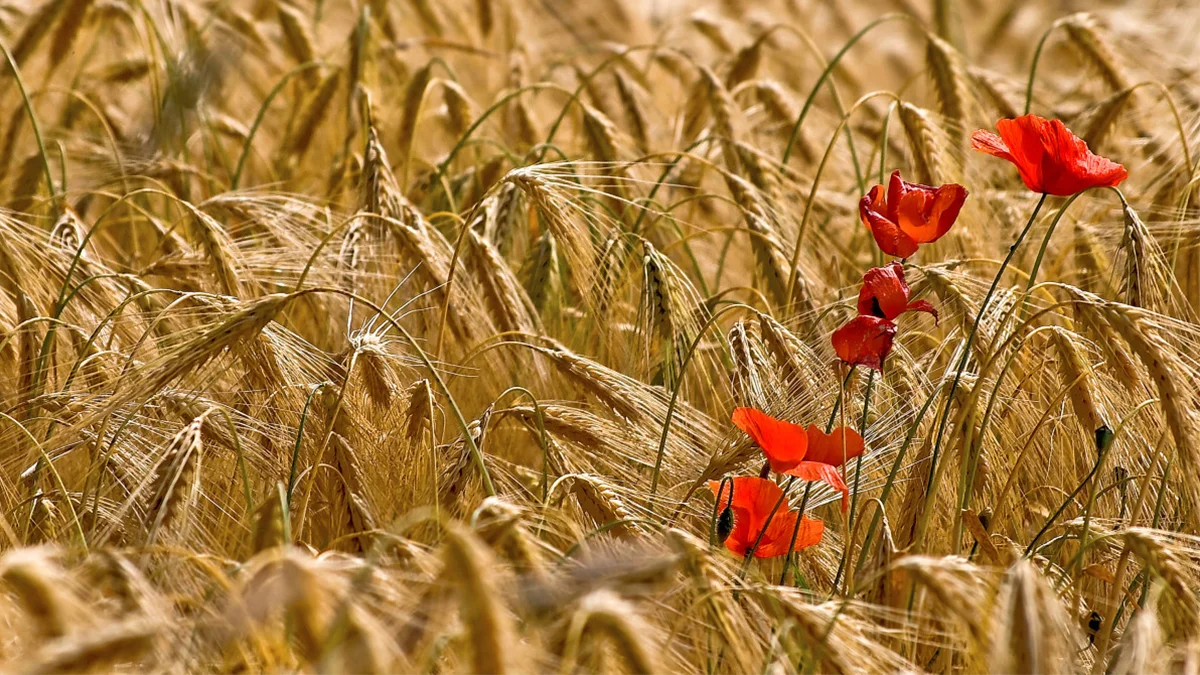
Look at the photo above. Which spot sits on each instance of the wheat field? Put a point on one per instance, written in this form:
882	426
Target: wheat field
406	336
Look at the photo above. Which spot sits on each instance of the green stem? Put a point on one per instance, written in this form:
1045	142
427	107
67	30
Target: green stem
262	111
1037	262
931	487
1103	452
1037	56
33	122
862	430
662	441
892	475
291	484
808	102
796	533
838	401
712	526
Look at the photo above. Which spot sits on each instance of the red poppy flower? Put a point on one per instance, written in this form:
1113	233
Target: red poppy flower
885	294
782	442
753	500
864	341
825	455
1049	157
910	214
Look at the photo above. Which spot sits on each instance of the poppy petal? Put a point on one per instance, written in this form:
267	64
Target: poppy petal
1084	169
864	341
753	502
884	292
783	443
1104	172
888	235
940	214
715	486
779	535
779	532
895	192
910	214
1026	140
840	445
825	473
912	210
873	201
749	493
922	306
739	538
987	142
811	531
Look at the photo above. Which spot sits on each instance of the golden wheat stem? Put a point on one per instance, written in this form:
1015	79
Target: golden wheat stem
448	282
586	80
1063	393
931	491
62	487
444	165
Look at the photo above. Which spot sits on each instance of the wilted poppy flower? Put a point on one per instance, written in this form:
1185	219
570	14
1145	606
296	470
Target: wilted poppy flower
864	341
753	500
910	214
782	442
825	455
885	294
1050	158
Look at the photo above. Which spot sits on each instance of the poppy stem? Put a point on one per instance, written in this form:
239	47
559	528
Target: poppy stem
890	483
766	524
838	402
862	431
1105	438
1037	262
787	561
934	473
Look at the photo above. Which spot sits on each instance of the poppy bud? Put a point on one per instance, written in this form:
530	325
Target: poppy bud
725	524
743	522
1104	437
1093	624
985	518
